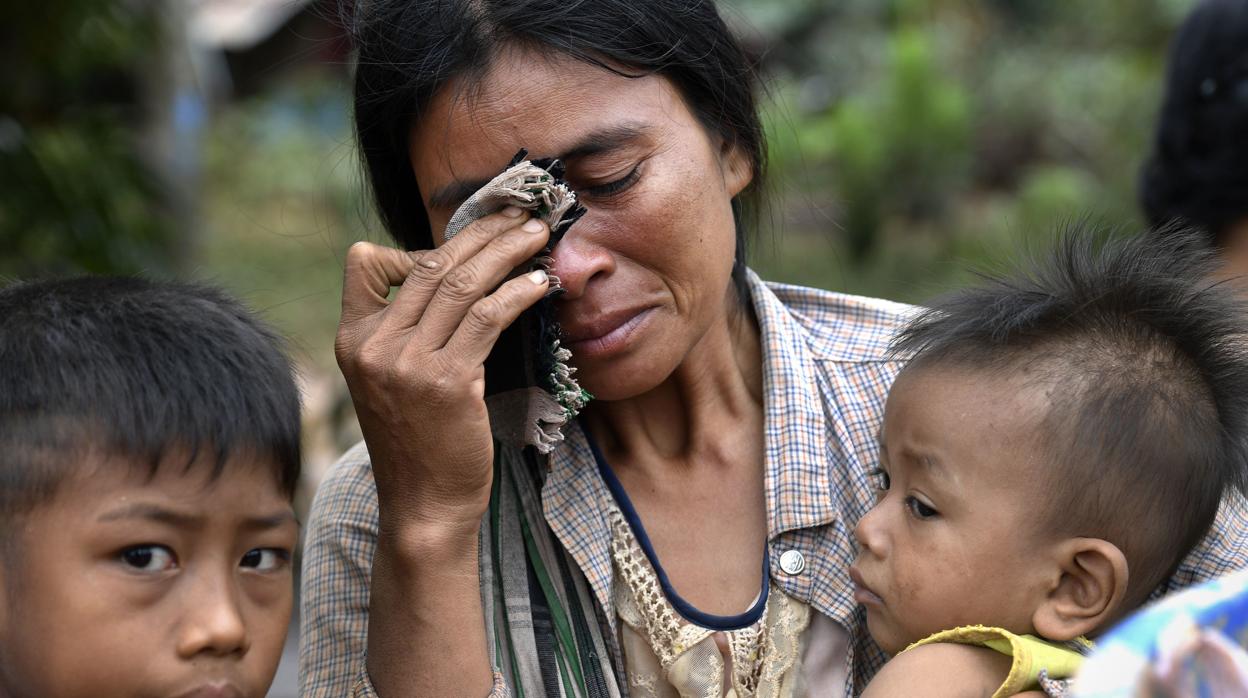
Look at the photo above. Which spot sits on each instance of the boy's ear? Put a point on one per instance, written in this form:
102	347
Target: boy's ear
737	168
1088	591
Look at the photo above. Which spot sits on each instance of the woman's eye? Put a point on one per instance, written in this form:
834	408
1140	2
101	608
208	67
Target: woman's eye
264	559
920	510
615	187
879	478
149	558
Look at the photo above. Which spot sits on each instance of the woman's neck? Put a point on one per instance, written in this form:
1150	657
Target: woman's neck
716	391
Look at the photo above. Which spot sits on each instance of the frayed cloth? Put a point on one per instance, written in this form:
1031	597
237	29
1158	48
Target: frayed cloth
531	390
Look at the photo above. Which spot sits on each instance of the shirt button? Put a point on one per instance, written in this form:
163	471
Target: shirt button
792	563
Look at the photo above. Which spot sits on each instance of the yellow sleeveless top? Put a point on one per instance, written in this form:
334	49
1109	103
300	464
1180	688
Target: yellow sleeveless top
1030	653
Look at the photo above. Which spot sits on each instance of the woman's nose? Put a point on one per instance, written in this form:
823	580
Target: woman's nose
870	532
578	260
213	622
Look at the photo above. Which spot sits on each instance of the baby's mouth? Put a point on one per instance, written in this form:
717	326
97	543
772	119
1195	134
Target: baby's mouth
863	593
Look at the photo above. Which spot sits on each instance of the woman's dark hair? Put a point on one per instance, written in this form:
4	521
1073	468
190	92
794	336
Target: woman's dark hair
1198	170
407	50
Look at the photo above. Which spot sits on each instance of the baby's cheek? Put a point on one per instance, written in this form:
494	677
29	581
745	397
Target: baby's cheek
914	596
933	595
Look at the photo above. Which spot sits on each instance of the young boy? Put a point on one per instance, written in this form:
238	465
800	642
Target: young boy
149	450
1057	444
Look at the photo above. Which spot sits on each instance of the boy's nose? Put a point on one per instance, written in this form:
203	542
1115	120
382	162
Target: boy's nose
578	260
213	622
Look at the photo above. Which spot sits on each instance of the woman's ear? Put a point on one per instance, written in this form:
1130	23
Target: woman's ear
736	165
1091	585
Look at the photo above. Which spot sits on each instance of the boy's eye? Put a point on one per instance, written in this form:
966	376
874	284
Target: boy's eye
920	510
879	478
615	187
149	558
264	559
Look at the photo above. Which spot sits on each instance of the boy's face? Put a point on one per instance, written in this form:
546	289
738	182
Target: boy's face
177	585
952	540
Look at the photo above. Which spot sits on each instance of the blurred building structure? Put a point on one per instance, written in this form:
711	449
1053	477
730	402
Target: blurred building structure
245	46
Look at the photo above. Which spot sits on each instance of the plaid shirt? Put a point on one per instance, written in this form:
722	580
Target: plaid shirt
826	376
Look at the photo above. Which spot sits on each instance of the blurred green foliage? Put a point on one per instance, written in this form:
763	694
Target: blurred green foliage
281	201
897	145
914	139
77	195
910	139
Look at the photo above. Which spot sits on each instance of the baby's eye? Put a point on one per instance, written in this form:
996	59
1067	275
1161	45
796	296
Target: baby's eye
920	510
879	478
149	558
264	559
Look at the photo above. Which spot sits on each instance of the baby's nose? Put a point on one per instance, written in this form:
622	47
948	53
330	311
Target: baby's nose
869	532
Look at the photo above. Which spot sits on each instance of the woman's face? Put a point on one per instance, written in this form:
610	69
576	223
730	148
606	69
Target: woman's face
647	269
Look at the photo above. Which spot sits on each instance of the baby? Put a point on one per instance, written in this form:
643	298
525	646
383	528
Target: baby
1055	447
149	450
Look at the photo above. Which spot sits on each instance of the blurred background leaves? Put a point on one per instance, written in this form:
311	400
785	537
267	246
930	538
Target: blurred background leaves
77	192
910	140
916	138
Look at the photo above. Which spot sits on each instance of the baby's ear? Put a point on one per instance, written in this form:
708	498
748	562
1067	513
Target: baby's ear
1087	592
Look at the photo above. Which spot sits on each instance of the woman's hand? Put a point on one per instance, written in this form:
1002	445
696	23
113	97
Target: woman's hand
415	365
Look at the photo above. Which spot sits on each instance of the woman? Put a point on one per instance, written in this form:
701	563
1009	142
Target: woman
692	535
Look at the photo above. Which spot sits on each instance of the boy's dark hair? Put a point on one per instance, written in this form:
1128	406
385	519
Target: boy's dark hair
137	369
1145	360
1198	169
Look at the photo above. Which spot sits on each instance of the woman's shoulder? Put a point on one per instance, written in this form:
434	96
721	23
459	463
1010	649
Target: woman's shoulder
348	488
839	326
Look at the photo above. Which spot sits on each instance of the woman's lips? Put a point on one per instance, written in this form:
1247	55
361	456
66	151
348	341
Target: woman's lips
862	592
604	334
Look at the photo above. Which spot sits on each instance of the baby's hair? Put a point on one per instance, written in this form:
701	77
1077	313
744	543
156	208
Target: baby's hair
1145	360
140	370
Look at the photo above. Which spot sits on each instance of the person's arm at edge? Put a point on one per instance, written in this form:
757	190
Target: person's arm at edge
425	580
341	538
414	367
941	670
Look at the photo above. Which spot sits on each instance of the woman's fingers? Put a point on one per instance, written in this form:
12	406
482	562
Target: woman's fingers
468	282
434	265
368	273
442	292
489	316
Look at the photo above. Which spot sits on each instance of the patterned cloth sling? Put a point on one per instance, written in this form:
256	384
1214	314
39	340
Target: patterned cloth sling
540	615
530	390
541	618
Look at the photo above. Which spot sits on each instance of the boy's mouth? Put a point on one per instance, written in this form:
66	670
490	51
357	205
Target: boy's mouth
862	592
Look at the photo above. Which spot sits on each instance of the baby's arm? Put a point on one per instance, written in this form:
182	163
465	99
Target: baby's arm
941	670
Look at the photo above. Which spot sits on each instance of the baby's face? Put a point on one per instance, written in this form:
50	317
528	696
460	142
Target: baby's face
951	540
176	585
